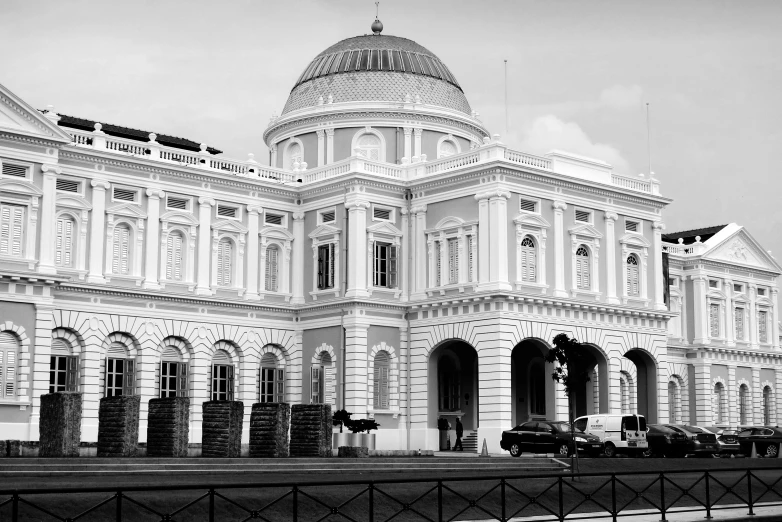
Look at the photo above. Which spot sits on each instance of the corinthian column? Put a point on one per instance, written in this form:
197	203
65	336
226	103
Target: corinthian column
48	226
153	241
659	289
559	249
298	259
420	258
253	212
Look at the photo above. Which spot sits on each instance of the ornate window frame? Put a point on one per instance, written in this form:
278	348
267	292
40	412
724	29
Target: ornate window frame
282	238
717	297
374	132
237	233
589	237
187	225
393	381
743	302
20	191
532	225
452	228
635	243
286	159
316	361
384	232
131	215
723	406
448	137
323	235
77	207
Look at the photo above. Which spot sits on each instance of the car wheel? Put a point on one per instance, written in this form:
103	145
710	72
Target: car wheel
515	450
771	450
564	450
610	450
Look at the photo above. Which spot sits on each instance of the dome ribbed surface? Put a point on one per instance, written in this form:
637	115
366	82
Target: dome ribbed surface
377	68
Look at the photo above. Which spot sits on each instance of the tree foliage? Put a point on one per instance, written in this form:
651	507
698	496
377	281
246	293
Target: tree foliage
341	418
575	363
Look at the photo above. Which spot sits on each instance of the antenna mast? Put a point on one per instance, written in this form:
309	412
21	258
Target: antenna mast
648	139
377	10
506	100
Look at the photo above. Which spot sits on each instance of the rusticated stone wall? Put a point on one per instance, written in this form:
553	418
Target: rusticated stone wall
168	427
118	426
60	428
269	423
222	429
311	430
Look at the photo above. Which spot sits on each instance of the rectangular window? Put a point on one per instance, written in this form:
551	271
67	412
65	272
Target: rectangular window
273	219
63	242
738	288
68	185
173	379
272	384
11	230
583	216
222	382
226	211
122	194
763	326
120	377
527	205
738	318
326	266
714	320
63	373
761	292
17	171
328	216
713	283
631	226
177	203
316	384
385	265
382	214
453	261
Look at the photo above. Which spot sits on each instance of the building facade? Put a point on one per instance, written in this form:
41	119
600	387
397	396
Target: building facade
394	259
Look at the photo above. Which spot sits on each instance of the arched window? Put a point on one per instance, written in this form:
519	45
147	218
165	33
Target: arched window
295	155
174	260
528	260
63	367
743	404
120	263
767	405
633	279
447	148
624	392
272	268
717	403
222	377
673	402
224	262
322	380
9	358
368	146
173	373
381	380
120	370
63	248
582	269
272	381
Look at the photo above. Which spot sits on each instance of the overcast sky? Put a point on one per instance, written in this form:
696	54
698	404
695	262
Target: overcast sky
579	76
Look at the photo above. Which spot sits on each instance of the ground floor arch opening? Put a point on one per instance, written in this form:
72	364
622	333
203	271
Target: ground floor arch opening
645	383
533	392
592	396
453	384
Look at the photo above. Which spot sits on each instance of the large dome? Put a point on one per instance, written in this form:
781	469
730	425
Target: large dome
377	68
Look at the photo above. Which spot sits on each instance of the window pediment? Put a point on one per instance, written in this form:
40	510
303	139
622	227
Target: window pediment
635	240
181	218
226	225
384	229
73	201
531	221
276	233
127	210
324	231
716	294
18	186
585	230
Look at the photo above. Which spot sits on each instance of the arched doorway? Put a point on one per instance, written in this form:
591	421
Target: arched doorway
592	397
646	383
453	384
532	391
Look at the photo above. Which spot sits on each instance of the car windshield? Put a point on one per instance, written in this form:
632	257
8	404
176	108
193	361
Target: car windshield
563	427
729	432
694	429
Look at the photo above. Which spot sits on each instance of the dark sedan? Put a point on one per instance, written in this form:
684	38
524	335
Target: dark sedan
702	443
728	441
765	439
548	437
666	441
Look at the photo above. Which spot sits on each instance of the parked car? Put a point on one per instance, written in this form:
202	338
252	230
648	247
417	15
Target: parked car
728	441
620	433
665	441
701	442
548	437
765	438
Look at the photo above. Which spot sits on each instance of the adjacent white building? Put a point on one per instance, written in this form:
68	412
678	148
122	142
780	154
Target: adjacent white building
394	259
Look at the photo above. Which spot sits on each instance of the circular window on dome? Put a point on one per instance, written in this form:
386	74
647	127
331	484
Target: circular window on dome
368	146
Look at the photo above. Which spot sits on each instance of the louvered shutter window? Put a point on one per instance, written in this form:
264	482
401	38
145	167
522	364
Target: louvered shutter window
11	230
714	320
64	242
763	326
438	253
392	266
322	257
174	257
272	268
453	261
121	261
224	261
738	317
72	376
316	385
470	258
328	385
17	171
331	266
9	354
582	269
380	381
279	386
528	260
632	276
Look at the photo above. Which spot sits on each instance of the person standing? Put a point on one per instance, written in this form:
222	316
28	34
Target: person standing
459	433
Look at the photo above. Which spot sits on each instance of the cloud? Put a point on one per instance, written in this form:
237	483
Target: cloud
621	97
549	132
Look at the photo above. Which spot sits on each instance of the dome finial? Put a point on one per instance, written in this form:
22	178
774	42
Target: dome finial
377	25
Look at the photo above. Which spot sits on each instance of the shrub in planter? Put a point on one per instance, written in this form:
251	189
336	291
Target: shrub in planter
60	428
340	417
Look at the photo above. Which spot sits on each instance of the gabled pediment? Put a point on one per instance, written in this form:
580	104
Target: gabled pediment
324	230
636	240
73	201
227	225
384	228
18	117
531	220
741	248
276	233
181	218
585	230
128	210
18	186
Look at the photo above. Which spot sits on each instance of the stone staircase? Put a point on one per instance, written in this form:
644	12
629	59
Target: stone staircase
470	442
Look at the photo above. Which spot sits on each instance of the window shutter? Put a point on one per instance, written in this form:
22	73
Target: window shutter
271	268
470	260
376	386
18	227
59	243
328	386
8	348
280	386
230	384
128	382
438	254
392	267
5	230
170	257
125	251
321	267
376	264
182	381
384	387
331	266
314	385
68	246
72	374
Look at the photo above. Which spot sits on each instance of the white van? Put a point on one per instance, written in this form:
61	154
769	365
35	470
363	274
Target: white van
624	434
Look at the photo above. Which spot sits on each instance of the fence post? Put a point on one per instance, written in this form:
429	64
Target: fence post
371	488
15	508
613	496
561	501
708	498
295	503
502	497
211	505
118	516
439	501
662	496
749	492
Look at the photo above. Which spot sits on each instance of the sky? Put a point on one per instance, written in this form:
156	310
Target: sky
579	76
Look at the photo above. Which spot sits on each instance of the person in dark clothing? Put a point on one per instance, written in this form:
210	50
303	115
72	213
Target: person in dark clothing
459	433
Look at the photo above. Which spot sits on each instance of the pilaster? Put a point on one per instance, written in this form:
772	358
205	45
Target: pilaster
756	404
703	394
403	257
298	259
357	239
48	226
253	213
355	399
484	235
732	392
659	288
408	142
417	150
321	146
204	245
610	219
700	309
419	243
97	230
730	331
153	239
559	249
498	222
752	320
329	146
775	320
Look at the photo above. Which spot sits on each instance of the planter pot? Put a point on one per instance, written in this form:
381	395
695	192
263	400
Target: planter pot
354	440
367	440
443	440
340	439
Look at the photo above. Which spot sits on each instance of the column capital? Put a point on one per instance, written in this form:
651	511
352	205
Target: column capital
418	131
254	209
559	205
418	209
774	292
611	216
329	131
658	225
50	169
206	202
407	130
492	194
357	204
155	193
404	211
100	184
320	133
298	216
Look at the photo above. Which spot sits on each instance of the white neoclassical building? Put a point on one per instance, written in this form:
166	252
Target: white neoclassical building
394	259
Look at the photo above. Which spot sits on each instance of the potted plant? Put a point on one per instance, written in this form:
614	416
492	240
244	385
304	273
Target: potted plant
341	418
443	425
359	438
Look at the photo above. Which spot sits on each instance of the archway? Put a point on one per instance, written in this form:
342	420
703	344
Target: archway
532	388
453	384
646	383
592	397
